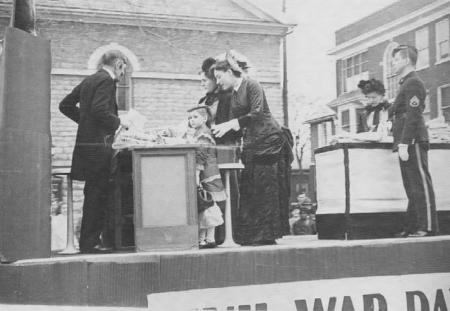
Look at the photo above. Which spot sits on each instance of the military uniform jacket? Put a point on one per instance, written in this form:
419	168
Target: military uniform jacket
97	118
409	125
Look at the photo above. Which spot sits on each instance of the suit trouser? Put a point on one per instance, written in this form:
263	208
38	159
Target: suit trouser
96	211
421	212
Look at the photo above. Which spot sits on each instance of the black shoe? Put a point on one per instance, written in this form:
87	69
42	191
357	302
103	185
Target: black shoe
420	234
97	249
403	234
208	245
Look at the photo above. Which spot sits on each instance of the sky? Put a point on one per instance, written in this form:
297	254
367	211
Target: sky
311	72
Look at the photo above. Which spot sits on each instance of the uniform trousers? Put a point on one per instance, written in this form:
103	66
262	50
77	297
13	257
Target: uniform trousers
421	212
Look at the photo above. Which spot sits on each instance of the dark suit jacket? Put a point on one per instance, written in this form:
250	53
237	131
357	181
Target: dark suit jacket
409	125
249	106
97	118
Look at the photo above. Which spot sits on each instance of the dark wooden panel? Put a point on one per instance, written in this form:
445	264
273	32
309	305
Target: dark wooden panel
444	222
207	269
25	71
122	284
25	163
331	226
54	284
368	226
9	284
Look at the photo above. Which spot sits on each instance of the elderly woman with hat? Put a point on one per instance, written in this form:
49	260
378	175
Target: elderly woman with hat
267	155
375	114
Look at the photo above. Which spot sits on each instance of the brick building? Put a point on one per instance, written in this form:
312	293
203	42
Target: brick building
363	50
165	41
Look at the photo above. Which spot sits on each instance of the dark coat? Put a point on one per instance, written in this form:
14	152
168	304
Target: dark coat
249	106
409	125
97	118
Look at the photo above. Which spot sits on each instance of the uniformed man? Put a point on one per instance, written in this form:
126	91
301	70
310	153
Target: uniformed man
411	142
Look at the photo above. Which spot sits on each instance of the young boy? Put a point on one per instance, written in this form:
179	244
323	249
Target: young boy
208	176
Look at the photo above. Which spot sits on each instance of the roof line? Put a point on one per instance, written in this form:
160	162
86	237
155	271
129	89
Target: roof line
414	16
162	16
260	12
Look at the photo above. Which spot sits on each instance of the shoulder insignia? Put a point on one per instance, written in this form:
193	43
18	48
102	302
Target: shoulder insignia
414	102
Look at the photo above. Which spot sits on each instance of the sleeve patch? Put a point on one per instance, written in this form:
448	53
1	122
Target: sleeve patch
414	102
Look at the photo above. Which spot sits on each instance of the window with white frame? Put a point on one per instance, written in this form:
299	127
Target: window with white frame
391	79
354	69
123	94
423	58
345	120
325	131
442	40
444	102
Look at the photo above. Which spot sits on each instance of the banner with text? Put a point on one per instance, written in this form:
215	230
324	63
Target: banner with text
415	292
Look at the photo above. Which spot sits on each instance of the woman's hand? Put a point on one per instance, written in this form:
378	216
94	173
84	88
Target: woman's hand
221	129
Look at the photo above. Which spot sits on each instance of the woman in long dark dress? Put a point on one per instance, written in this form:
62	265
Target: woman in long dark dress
267	156
219	103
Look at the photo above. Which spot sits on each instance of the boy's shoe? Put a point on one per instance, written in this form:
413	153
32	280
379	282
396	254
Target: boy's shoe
202	244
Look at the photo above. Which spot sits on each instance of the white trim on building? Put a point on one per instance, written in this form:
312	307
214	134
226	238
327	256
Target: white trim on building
446	26
390	30
439	98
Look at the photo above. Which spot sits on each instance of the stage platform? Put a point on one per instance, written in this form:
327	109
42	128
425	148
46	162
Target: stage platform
125	279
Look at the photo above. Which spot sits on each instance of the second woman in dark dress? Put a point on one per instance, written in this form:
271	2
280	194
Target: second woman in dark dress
267	155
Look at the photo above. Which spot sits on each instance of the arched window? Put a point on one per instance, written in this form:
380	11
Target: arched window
390	78
124	87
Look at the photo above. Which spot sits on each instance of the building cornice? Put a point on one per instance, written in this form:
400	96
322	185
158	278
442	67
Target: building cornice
144	75
346	98
330	117
155	20
397	27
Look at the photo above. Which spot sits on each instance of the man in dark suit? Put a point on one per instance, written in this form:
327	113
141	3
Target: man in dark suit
97	118
411	142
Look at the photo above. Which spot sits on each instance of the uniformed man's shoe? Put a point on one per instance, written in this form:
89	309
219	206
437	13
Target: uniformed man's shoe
420	234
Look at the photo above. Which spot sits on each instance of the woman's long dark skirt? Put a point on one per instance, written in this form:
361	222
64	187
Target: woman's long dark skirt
264	198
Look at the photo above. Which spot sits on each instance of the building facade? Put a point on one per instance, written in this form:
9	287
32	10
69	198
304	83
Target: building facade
364	50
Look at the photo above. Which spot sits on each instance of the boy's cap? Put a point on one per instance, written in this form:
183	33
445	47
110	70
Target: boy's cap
200	107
